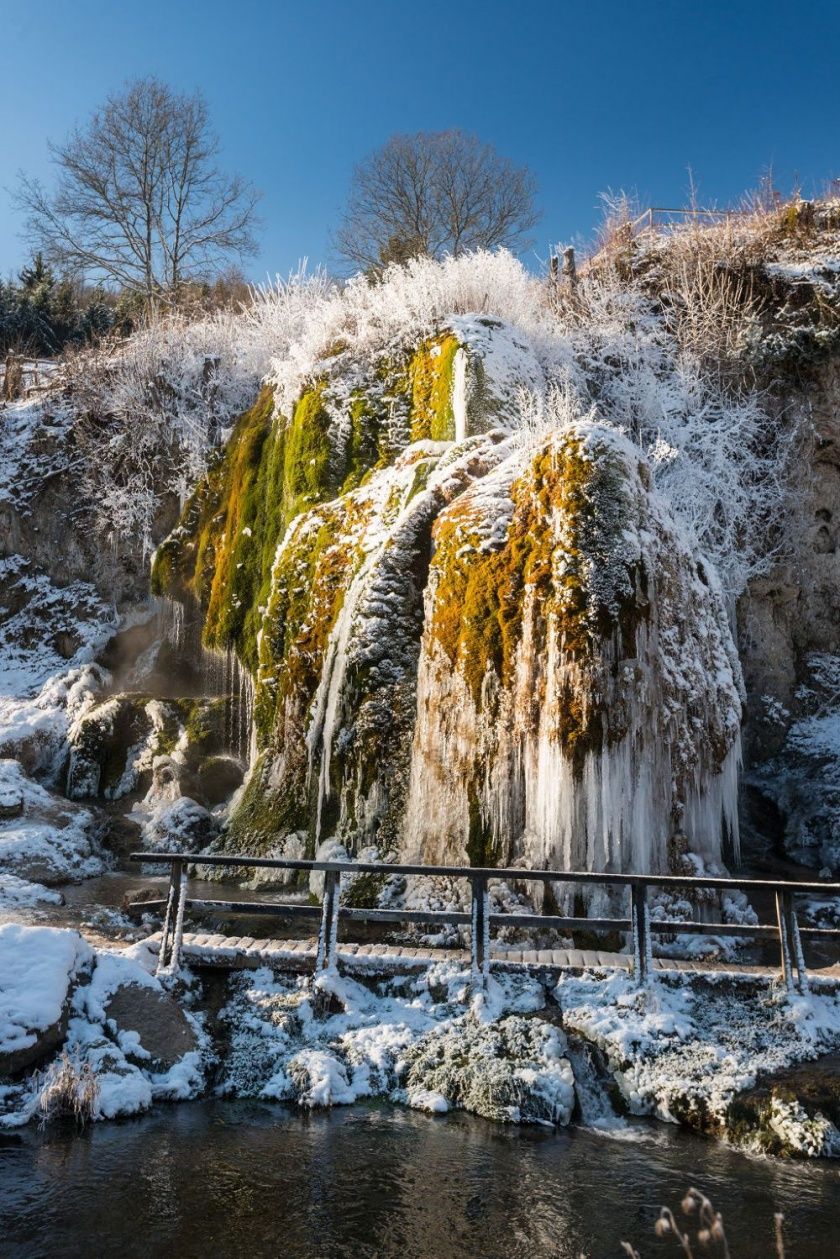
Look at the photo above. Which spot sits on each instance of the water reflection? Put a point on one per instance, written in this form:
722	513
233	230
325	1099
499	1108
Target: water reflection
244	1179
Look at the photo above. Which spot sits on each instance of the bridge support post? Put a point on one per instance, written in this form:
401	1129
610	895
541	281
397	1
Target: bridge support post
328	936
640	925
480	933
178	933
784	940
170	916
794	970
173	922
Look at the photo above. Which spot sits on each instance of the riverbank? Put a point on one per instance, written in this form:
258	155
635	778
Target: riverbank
91	1031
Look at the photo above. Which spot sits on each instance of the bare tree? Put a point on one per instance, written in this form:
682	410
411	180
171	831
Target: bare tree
434	193
139	199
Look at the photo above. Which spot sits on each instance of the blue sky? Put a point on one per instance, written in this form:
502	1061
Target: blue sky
592	95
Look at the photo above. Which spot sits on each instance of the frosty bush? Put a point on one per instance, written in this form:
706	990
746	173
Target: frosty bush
613	347
152	409
719	459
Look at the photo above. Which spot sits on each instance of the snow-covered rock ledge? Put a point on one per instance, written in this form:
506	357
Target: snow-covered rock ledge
88	1033
714	1053
94	1033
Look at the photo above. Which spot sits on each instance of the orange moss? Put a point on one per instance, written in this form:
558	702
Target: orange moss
480	597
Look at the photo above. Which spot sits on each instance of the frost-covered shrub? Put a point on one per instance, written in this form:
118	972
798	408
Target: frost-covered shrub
719	459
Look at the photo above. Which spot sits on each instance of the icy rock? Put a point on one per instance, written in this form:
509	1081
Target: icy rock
803	779
564	614
219	777
52	840
329	850
11	803
16	893
514	1070
39	967
181	825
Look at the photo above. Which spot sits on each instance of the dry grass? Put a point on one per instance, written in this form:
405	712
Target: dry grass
707	1226
69	1090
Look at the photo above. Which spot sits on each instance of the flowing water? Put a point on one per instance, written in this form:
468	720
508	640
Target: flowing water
230	1179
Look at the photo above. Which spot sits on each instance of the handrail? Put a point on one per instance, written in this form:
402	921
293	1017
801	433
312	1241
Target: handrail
480	919
487	872
647	218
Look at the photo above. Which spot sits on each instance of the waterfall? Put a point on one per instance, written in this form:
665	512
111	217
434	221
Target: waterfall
576	749
222	674
595	1109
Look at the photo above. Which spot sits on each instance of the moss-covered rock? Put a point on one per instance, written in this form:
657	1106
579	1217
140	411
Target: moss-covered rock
564	618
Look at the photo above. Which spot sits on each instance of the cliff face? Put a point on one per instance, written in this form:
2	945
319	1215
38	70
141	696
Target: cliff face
467	640
789	634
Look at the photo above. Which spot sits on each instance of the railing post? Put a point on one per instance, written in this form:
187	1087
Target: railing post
640	924
178	933
784	939
793	958
325	958
796	943
168	918
480	941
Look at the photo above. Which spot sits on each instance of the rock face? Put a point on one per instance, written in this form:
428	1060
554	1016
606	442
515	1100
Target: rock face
47	839
789	635
45	512
463	643
795	612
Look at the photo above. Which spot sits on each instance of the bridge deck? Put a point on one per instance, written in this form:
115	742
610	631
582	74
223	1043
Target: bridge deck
246	953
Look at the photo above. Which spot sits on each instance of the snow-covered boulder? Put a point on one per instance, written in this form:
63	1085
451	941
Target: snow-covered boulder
136	1010
180	825
513	1071
39	967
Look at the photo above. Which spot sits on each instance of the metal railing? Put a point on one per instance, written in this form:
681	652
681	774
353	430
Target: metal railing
639	924
662	217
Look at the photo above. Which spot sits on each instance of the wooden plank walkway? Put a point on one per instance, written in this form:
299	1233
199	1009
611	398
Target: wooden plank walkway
246	953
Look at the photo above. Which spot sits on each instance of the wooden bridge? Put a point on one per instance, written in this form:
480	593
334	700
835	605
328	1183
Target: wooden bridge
324	951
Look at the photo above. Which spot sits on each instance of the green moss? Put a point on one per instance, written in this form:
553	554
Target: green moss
431	374
306	462
365	891
264	814
481	850
204	723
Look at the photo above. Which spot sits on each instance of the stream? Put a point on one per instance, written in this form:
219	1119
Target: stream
230	1179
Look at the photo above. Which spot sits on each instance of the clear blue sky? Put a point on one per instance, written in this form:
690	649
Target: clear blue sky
591	95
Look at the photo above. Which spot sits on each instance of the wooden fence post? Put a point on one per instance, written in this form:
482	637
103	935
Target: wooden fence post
480	934
328	935
796	946
180	871
784	941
